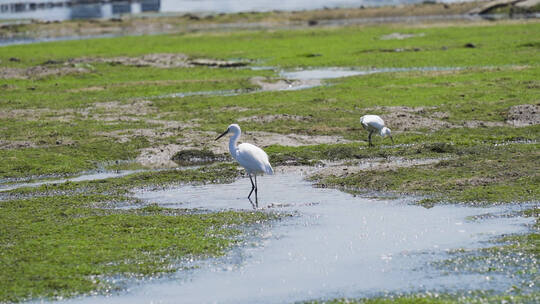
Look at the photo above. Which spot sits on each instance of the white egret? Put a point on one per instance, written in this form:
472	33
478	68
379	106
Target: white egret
374	123
252	158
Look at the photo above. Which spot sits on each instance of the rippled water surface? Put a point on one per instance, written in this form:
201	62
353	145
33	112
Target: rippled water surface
335	245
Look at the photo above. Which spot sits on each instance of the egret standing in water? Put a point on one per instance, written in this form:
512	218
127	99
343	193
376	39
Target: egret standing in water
249	156
374	123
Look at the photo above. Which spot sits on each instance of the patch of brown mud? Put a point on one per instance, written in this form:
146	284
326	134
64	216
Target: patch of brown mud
205	140
123	136
482	124
343	169
136	108
400	36
42	114
163	60
282	85
88	89
159	60
266	139
235	109
39	72
271	118
407	118
523	115
159	157
16	144
476	181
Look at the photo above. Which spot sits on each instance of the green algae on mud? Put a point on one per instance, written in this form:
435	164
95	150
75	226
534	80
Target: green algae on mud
103	112
478	174
221	173
60	246
68	239
55	117
498	44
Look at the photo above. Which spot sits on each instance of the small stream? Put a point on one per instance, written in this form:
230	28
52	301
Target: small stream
301	79
79	178
335	245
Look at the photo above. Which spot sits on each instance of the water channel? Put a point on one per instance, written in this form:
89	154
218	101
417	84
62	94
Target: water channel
334	245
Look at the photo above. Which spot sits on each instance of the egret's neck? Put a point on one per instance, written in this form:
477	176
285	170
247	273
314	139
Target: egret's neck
233	143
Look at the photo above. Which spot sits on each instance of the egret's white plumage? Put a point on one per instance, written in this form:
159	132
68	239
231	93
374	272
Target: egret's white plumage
374	123
252	158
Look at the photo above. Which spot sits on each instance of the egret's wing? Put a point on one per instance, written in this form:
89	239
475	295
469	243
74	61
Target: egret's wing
372	121
253	158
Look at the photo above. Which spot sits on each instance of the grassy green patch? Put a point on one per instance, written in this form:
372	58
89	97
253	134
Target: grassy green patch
482	174
497	44
61	246
56	241
64	159
221	173
106	82
59	242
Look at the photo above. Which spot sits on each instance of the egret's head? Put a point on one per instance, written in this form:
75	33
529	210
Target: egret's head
386	132
233	128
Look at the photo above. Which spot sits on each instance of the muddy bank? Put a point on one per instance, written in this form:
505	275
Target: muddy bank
80	65
161	60
319	252
39	72
524	115
267	84
377	163
162	155
401	118
510	6
133	25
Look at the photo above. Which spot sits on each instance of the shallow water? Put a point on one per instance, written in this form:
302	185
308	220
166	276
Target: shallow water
335	72
301	79
80	178
60	10
336	245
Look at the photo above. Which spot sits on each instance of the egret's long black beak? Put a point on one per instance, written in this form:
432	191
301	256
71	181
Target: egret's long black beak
222	134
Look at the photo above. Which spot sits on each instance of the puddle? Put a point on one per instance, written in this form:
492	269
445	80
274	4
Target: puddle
336	245
301	79
80	178
334	72
208	93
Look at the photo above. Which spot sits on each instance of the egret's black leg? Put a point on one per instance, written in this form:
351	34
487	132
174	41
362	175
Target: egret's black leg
252	187
256	199
252	204
369	138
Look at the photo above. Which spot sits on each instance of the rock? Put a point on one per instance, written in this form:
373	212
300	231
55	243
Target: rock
486	8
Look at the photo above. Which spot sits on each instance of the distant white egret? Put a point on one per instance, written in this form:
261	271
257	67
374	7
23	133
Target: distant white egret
374	123
249	156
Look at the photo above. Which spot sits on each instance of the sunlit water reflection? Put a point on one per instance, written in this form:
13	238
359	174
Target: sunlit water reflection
336	245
